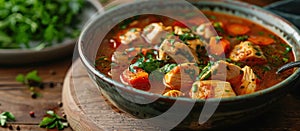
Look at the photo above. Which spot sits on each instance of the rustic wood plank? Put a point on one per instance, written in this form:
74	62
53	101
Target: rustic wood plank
16	98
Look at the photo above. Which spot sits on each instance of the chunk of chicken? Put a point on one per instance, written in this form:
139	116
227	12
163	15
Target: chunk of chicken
182	76
132	36
155	32
193	44
211	89
248	82
178	51
223	70
174	93
206	30
249	53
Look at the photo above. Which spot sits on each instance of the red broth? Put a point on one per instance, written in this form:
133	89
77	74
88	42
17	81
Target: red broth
231	30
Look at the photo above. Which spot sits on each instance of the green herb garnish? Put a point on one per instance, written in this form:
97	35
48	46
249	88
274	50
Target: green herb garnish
41	21
53	121
6	116
242	38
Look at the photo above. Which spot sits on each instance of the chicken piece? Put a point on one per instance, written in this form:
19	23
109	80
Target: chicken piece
248	82
193	44
132	36
174	93
249	53
206	30
211	89
180	30
155	32
178	51
182	76
223	70
138	80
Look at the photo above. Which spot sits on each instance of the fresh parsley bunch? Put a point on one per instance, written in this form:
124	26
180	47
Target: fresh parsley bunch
37	23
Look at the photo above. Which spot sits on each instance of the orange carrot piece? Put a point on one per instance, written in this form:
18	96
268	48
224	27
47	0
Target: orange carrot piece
237	29
138	80
261	40
218	47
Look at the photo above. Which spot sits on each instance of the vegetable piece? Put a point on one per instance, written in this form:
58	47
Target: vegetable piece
182	31
211	89
248	82
182	76
6	116
261	40
218	46
174	93
237	29
248	53
138	80
52	120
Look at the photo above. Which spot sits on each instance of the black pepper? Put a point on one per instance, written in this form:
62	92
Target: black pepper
18	128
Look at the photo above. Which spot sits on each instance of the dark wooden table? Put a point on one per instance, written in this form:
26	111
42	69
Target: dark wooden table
16	98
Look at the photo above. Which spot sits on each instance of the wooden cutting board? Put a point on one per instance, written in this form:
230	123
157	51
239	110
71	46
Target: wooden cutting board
87	109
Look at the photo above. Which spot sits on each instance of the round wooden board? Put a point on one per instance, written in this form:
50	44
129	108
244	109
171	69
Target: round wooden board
87	109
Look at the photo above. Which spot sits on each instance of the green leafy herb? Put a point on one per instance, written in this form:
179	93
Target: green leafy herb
32	23
147	63
218	27
188	36
31	76
242	38
53	121
6	116
285	60
167	68
205	73
31	80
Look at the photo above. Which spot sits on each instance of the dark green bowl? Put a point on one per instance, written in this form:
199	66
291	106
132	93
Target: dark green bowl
183	113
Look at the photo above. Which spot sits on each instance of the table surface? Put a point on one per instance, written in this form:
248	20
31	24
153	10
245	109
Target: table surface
16	98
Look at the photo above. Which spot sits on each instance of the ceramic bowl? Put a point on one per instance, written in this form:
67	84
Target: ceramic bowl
58	50
230	110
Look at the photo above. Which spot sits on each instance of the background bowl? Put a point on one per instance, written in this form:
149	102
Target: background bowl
230	110
58	50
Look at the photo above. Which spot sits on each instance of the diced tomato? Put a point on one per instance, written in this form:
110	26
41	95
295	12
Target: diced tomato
218	47
261	40
237	29
138	80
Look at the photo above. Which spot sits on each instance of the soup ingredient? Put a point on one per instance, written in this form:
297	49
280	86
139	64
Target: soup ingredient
237	29
248	82
154	32
261	40
178	51
6	116
43	21
52	120
223	70
174	93
211	89
132	36
138	79
218	46
182	76
248	53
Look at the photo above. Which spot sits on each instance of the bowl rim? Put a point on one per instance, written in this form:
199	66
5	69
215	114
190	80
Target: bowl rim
116	84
